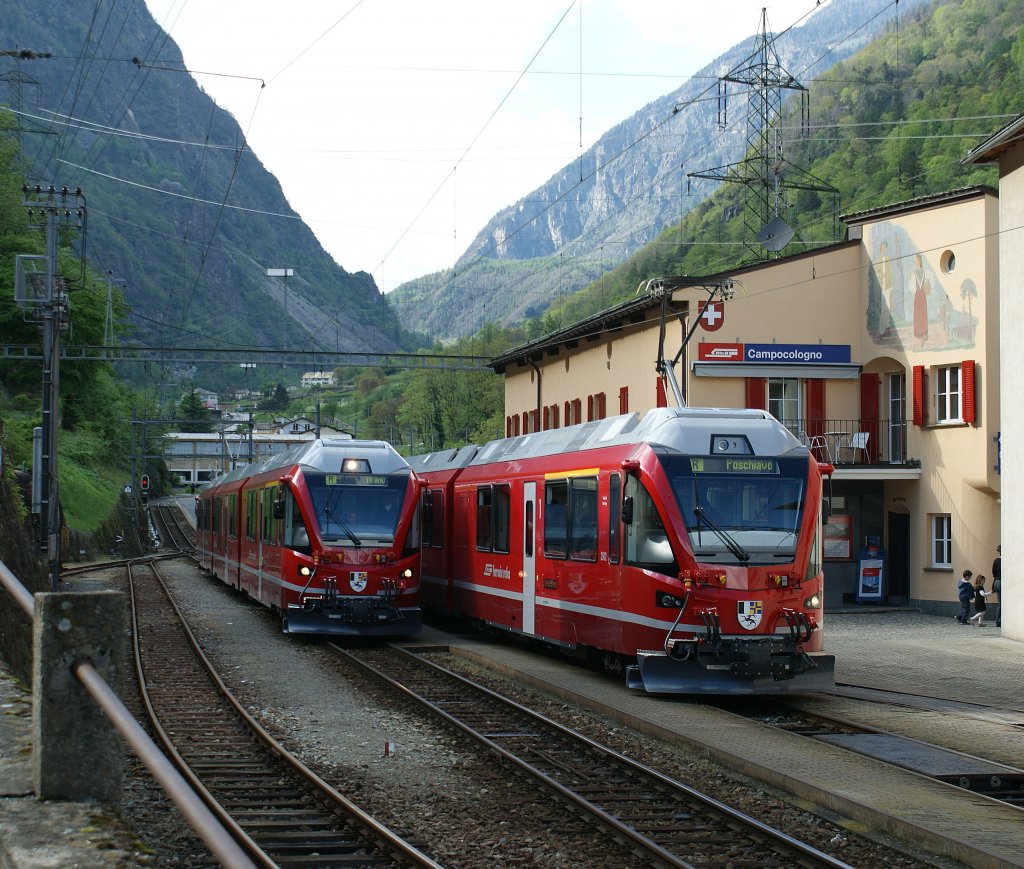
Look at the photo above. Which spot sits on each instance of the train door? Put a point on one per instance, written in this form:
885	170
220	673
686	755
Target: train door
529	556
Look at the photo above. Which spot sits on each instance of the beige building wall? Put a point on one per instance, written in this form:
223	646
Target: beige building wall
864	294
1011	267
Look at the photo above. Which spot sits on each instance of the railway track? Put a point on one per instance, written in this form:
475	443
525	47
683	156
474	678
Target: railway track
279	811
670	823
174	533
997	781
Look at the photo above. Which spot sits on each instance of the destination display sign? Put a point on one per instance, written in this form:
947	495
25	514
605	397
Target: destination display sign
734	465
355	480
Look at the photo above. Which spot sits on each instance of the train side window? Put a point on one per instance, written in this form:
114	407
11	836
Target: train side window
218	505
250	515
614	516
483	517
646	539
295	534
433	518
556	518
493	509
501	513
583	516
233	516
271	526
427	517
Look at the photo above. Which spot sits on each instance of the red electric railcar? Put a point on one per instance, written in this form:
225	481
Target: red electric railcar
326	534
685	546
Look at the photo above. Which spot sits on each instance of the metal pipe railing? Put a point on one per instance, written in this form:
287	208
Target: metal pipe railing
195	811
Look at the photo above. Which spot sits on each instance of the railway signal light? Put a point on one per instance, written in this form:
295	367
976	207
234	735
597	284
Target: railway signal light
144	483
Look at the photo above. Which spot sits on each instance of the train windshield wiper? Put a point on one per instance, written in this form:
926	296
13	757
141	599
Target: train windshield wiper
737	550
329	513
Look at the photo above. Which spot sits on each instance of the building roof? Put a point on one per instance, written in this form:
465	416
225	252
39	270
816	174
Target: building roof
998	143
949	197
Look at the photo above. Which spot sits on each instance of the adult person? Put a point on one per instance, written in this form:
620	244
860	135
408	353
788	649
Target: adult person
997	584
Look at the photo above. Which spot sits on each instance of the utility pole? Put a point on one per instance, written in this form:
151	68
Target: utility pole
764	170
45	292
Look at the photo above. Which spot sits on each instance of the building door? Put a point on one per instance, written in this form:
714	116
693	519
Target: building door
899	558
529	556
897	418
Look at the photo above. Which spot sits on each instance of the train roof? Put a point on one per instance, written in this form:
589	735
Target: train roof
326	455
686	430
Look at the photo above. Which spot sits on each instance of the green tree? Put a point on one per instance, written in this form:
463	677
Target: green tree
193	414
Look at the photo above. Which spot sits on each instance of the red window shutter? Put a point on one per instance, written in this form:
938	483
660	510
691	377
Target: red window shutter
568	414
577	411
554	415
623	399
662	399
967	375
508	426
755	393
919	396
814	423
547	417
600	405
590	408
526	423
870	388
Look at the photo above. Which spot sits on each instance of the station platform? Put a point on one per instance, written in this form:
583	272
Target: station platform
895	650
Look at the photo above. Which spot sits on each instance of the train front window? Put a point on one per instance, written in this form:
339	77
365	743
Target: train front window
740	509
357	509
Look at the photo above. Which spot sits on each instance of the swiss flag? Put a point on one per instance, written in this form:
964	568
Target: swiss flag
713	317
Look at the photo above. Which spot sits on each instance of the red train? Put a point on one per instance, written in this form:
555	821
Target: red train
325	534
685	546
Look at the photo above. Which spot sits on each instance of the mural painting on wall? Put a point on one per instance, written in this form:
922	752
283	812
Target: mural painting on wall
912	306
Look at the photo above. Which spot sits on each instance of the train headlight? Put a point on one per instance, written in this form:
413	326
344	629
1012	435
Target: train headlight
813	602
304	570
408	573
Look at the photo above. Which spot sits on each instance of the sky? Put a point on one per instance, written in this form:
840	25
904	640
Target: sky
398	128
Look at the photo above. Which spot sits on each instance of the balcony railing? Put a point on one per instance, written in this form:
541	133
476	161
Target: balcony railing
854	441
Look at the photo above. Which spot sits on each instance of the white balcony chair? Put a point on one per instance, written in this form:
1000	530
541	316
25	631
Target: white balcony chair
858	443
816	442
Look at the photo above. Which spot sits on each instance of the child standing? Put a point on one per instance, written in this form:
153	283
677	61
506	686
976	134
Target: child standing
965	594
978	619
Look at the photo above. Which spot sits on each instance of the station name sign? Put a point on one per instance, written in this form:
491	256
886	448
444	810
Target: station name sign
793	354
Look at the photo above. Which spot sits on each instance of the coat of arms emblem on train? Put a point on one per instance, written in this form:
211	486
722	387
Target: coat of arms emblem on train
748	613
357	580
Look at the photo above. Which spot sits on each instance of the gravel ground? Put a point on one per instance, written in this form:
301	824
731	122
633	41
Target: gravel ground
461	807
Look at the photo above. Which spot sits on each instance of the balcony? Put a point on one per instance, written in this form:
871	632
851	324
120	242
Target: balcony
842	442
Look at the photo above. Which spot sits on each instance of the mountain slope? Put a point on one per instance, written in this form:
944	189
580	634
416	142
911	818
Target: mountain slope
178	208
624	191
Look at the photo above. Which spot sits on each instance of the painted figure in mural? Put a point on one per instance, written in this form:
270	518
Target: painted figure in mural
894	289
921	287
886	313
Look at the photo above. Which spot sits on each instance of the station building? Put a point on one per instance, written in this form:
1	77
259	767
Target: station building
1005	149
881	353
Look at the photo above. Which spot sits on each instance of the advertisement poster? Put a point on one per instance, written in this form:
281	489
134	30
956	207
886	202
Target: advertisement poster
869	583
838	541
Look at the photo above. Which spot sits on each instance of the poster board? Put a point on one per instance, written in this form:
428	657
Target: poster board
838	536
871	576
